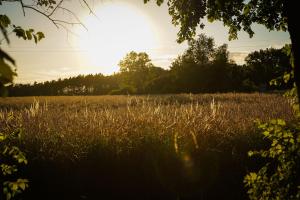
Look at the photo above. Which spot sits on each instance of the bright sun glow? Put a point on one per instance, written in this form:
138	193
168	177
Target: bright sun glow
118	29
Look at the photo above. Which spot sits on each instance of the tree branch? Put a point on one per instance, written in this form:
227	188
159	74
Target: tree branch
56	21
50	14
67	30
87	5
74	15
40	12
70	23
57	6
21	2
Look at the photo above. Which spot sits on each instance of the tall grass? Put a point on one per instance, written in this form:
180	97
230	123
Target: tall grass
144	147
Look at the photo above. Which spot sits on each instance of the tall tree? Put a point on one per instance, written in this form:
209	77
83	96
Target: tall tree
201	50
198	68
137	69
265	65
134	62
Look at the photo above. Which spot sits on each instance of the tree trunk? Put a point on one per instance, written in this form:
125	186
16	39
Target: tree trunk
292	20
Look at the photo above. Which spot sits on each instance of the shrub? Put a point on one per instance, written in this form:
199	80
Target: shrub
279	177
12	157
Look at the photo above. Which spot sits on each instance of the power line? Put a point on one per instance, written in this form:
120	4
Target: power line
70	50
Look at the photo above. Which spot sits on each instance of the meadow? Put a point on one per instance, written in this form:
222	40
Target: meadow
140	147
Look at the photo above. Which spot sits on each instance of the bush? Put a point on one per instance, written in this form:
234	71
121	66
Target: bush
124	90
10	159
279	178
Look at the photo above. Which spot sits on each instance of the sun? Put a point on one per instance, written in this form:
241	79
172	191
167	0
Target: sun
117	29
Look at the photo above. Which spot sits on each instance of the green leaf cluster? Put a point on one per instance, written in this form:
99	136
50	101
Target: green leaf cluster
13	188
46	3
7	63
28	34
279	178
11	158
237	15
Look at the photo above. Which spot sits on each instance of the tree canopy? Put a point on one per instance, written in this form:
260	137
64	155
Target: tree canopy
237	15
203	67
134	62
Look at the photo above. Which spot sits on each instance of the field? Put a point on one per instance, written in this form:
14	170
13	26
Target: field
140	147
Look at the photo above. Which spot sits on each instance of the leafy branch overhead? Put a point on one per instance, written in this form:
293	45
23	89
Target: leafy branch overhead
7	73
47	8
237	15
28	34
51	9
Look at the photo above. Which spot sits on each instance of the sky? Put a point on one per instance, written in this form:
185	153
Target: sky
116	28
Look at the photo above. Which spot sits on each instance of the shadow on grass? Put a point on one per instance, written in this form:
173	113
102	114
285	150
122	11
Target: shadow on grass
150	170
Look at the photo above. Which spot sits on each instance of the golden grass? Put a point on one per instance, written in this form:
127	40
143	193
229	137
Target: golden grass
68	127
140	147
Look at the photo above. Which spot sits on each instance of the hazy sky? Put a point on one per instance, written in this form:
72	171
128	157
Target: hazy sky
120	26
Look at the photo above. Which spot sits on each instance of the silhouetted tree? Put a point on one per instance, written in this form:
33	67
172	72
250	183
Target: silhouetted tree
201	51
202	67
265	65
187	74
137	70
238	15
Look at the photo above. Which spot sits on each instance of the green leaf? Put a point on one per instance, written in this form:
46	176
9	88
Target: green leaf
246	10
20	32
210	19
15	186
6	73
286	77
22	186
4	21
2	137
35	39
8	196
266	133
5	56
40	35
29	35
281	122
250	153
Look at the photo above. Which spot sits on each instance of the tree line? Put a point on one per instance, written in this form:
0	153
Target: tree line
202	68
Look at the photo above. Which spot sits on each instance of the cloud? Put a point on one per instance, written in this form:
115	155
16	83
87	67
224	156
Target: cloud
40	75
164	60
238	57
277	46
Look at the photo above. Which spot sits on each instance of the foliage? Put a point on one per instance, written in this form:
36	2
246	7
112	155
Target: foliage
201	50
45	8
269	66
123	90
134	62
196	71
137	70
279	178
235	14
7	63
9	151
11	158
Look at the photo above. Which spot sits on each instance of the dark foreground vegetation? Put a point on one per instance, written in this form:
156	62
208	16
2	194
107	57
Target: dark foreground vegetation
140	147
202	68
